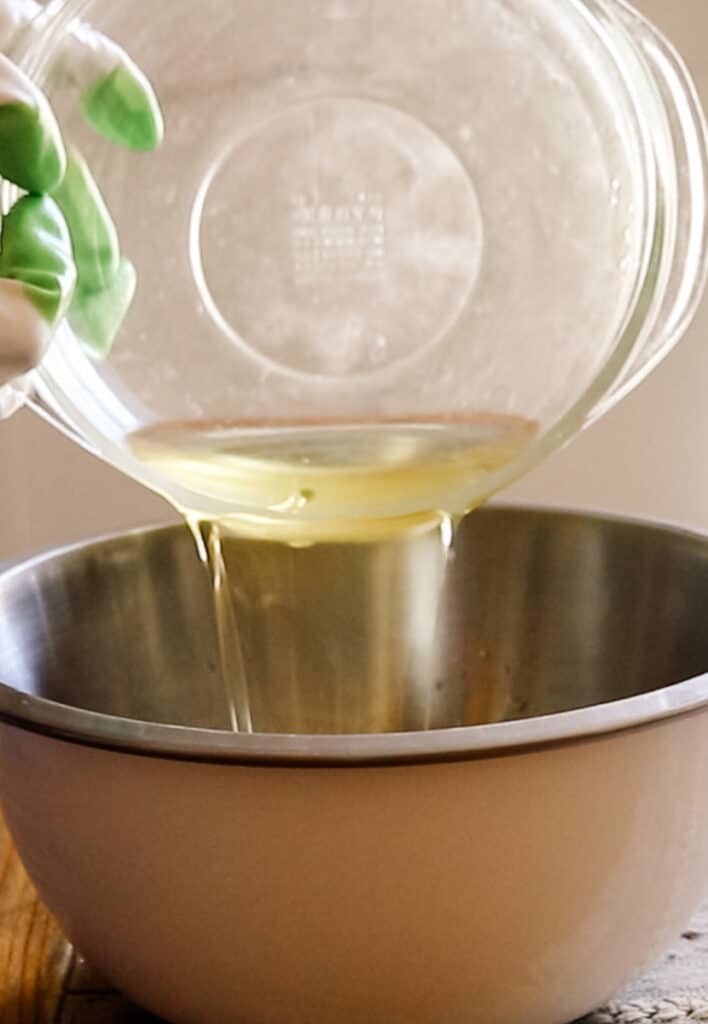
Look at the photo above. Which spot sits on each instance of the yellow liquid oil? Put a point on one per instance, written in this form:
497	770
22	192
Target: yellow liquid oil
329	547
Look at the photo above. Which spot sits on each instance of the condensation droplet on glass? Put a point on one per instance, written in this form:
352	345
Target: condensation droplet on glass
379	349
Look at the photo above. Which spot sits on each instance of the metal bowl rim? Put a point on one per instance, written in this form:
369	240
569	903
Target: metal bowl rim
129	736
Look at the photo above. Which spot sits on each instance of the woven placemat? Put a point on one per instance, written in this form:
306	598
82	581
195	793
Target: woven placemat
675	990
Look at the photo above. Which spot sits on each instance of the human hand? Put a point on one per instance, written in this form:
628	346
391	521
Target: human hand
60	254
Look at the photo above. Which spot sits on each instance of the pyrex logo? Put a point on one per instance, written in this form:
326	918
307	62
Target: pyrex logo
338	240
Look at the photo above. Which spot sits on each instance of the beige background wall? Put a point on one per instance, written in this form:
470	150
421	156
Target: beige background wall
650	457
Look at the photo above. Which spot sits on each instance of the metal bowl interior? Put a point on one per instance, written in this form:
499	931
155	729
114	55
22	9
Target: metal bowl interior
572	625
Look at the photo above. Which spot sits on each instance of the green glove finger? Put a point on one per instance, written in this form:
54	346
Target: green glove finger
123	108
96	317
116	97
31	150
94	237
37	252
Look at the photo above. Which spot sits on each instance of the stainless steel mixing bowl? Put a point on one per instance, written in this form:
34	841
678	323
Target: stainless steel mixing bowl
515	872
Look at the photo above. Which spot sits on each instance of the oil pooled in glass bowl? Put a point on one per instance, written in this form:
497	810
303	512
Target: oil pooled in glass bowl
328	557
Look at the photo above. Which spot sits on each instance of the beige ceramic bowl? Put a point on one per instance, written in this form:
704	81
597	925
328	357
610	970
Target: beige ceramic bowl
517	872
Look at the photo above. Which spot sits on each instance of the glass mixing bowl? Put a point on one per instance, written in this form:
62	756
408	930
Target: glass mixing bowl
396	230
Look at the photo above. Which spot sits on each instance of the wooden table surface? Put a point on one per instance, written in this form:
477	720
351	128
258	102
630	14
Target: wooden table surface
43	981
